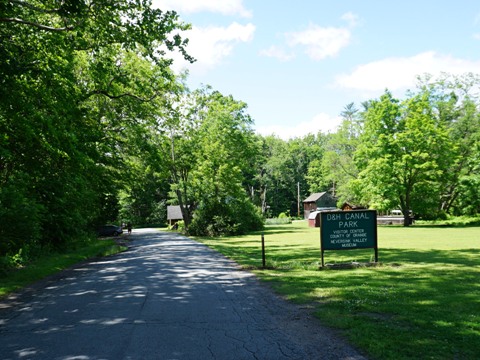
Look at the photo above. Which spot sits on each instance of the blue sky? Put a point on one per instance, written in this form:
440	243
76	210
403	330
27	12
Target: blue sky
298	63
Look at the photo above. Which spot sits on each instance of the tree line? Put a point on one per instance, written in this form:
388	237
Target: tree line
419	154
95	128
79	86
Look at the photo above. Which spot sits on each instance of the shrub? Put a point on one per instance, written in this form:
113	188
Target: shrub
178	226
234	217
21	219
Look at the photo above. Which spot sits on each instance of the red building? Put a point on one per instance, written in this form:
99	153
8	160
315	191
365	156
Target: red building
318	202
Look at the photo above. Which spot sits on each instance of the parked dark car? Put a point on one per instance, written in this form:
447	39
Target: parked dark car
109	230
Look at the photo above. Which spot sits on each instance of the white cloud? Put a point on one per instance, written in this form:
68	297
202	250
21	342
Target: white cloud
400	73
321	122
320	42
476	36
278	53
225	7
323	42
211	45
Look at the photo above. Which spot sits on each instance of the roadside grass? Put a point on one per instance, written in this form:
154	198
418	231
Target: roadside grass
52	263
422	301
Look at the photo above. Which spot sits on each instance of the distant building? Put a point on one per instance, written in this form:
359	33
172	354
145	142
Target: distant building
317	202
174	214
347	207
314	219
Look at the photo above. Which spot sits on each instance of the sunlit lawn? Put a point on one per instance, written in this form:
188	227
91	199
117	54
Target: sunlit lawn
423	301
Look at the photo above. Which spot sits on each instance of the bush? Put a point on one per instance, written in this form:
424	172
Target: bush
221	225
21	219
178	226
235	217
432	215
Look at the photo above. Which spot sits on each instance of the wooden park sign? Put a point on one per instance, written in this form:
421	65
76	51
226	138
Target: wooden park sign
348	230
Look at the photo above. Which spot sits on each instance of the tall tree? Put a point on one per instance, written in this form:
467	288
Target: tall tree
68	80
302	152
226	145
403	154
207	142
456	101
338	167
278	179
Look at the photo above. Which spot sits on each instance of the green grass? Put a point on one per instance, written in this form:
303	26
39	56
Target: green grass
54	262
423	301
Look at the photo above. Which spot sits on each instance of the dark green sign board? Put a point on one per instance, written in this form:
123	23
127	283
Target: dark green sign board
348	230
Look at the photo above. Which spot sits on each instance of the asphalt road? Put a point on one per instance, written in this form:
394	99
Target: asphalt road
167	297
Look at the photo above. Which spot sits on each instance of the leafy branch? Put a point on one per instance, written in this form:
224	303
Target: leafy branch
37	25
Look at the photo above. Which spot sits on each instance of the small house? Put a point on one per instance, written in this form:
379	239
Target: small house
318	201
174	214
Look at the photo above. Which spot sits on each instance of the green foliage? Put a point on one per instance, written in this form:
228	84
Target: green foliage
337	168
180	226
469	199
143	201
455	99
232	218
208	151
281	169
403	154
419	153
79	88
158	214
20	216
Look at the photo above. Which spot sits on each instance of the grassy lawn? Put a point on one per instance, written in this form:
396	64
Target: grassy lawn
423	301
52	263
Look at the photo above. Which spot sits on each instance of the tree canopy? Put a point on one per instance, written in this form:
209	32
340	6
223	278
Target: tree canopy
79	80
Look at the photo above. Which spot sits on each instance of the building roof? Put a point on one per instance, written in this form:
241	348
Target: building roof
174	212
347	205
314	197
313	215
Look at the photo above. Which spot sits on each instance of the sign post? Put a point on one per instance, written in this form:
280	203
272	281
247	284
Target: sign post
348	230
263	251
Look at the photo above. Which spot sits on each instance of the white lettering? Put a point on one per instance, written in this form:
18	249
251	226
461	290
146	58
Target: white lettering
359	235
356	216
347	224
352	231
333	217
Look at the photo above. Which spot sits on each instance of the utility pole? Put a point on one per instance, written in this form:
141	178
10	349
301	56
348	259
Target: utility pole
298	199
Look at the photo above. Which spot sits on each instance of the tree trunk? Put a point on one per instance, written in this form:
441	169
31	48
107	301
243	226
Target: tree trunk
405	207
